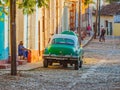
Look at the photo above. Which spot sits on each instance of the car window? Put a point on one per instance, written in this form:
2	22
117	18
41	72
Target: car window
63	41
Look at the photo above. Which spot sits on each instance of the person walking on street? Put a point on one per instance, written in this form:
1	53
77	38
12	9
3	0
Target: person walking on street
102	34
89	29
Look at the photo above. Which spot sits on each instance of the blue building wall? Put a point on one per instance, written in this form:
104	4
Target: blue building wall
4	50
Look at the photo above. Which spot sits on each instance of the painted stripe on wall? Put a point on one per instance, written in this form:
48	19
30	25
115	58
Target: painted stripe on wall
4	50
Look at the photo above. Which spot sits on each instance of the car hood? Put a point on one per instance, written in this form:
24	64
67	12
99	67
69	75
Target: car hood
61	49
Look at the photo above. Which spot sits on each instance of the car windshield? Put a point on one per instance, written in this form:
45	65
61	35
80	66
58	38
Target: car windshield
65	41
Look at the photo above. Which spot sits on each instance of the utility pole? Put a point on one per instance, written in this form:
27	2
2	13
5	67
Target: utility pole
99	19
88	13
13	36
96	22
79	21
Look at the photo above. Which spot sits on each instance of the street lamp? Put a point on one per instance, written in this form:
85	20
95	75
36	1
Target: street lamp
96	21
79	21
88	12
99	18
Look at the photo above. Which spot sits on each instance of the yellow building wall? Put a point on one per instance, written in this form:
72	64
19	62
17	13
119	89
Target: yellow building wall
49	20
19	26
116	30
52	21
115	26
84	7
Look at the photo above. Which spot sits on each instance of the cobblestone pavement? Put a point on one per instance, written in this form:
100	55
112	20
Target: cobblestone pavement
100	71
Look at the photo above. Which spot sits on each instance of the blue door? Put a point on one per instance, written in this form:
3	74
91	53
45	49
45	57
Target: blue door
4	51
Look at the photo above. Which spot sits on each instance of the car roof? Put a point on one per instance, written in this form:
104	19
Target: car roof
69	32
65	36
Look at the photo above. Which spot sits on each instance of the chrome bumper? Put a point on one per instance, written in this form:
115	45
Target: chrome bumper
60	57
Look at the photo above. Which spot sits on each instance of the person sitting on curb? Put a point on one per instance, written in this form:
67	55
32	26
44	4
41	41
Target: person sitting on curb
22	51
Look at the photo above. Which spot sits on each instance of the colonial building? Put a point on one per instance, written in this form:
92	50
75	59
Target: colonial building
107	18
108	13
4	49
36	30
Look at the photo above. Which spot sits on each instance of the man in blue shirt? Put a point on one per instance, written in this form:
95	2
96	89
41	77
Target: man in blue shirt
22	51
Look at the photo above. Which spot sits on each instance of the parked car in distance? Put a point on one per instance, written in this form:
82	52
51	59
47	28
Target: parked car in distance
65	49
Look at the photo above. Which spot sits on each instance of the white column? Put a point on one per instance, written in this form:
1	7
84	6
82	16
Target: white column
6	41
26	31
36	30
65	18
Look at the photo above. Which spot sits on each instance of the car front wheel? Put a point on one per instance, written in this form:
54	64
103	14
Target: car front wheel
81	62
65	65
77	65
45	63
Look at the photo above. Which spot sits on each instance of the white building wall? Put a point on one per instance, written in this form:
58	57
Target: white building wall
28	26
60	16
65	22
41	29
36	30
104	18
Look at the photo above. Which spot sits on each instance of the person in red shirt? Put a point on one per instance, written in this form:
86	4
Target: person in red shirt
89	29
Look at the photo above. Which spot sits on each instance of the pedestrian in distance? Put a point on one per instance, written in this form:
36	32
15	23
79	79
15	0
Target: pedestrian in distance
22	51
89	30
102	34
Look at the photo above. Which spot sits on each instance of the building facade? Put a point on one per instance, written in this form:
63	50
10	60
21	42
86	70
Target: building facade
108	12
4	47
35	30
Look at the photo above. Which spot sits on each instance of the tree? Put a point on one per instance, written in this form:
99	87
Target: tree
96	21
111	1
28	7
87	2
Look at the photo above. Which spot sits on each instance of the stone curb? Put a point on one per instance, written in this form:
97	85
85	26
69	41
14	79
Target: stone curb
87	42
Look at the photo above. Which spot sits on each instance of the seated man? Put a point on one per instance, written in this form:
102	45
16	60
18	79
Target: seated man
22	51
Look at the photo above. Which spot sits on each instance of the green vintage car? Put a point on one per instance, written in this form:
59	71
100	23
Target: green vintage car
65	49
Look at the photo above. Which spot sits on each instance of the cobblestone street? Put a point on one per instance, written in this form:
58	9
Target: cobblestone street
100	71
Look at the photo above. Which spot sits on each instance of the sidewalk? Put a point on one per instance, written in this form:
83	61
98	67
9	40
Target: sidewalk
86	40
30	66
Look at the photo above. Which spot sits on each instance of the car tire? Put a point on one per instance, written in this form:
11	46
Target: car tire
77	65
81	62
45	63
65	65
61	63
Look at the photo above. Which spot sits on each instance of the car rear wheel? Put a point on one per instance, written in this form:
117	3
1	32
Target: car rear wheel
81	62
65	65
45	63
77	65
